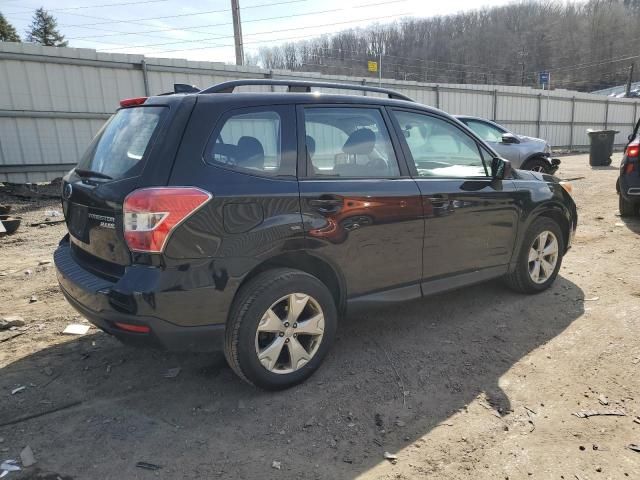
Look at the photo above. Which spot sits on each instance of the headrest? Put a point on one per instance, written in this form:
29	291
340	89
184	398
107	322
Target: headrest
360	142
250	153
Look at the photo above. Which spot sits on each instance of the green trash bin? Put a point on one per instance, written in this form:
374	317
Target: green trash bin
601	146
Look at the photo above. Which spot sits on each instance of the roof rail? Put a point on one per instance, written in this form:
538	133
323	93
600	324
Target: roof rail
300	86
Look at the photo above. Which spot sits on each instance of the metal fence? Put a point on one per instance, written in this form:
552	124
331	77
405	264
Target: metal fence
53	100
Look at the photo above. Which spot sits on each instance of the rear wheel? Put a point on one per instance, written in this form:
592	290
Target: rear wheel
627	209
539	259
281	326
538	165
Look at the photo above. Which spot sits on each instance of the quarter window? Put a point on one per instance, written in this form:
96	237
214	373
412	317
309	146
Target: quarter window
348	142
438	148
248	141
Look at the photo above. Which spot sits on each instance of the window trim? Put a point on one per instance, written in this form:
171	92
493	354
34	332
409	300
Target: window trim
303	167
409	156
287	147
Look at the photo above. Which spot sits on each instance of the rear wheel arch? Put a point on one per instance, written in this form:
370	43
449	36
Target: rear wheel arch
310	264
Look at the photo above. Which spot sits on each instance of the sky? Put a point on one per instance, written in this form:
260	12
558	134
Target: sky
203	30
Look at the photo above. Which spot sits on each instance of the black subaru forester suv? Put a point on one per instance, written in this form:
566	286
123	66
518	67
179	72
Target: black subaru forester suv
251	221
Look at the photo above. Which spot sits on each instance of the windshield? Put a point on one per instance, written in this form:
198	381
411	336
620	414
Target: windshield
118	149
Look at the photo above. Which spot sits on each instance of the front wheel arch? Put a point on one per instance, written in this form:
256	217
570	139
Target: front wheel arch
538	157
556	212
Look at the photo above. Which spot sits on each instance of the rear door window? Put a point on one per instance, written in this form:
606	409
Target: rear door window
348	142
118	150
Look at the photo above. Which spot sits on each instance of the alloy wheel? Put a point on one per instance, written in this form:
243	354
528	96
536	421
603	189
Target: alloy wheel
543	257
289	333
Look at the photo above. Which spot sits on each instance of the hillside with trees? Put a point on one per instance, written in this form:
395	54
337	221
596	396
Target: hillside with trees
586	46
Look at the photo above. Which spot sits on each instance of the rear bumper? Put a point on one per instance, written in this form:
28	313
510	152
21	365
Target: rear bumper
98	300
629	187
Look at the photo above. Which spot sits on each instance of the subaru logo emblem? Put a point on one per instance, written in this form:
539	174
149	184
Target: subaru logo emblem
67	191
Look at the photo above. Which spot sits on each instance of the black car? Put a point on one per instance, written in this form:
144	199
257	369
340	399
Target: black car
253	221
628	184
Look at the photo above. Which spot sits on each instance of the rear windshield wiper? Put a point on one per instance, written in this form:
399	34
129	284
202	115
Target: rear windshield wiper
90	173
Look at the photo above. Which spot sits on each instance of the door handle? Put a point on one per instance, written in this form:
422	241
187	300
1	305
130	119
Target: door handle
438	201
326	204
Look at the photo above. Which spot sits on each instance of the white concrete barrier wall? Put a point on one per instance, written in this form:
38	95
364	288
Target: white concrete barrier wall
54	100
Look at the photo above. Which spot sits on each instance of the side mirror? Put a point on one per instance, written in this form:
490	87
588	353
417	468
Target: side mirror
509	138
500	168
630	137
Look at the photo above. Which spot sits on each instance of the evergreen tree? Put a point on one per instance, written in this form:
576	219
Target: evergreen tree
7	32
44	30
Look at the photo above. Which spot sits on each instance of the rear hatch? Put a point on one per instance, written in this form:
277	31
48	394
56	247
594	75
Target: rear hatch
127	153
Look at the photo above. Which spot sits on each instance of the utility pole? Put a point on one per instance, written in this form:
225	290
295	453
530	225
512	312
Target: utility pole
522	55
629	80
237	32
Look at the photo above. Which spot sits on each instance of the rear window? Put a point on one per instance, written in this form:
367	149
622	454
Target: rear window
119	147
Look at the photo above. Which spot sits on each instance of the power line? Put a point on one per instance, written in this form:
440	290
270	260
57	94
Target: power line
92	6
257	33
180	15
280	17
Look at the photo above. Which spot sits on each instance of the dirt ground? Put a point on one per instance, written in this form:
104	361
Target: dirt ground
480	383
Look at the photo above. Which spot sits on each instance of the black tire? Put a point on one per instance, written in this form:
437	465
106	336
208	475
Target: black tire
249	306
627	209
520	280
538	165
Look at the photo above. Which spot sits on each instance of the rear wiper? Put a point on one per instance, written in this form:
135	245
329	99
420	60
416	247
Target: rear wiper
90	173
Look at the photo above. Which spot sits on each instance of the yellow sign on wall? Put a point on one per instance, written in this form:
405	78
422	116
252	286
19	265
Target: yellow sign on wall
372	66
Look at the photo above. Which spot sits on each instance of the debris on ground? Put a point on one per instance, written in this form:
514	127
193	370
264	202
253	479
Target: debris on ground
27	457
592	299
45	223
8	466
76	329
8	322
400	423
597	413
378	420
18	390
391	457
172	373
603	400
148	466
52	213
277	465
636	420
33	299
633	446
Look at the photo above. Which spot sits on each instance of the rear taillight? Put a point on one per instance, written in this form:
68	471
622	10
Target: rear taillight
632	152
151	214
132	102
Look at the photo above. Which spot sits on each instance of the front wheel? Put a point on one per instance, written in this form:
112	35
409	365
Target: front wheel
539	259
280	328
538	165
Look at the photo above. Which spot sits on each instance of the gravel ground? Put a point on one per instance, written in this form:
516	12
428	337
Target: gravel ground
478	383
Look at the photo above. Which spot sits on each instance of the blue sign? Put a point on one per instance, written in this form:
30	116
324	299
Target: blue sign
544	78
